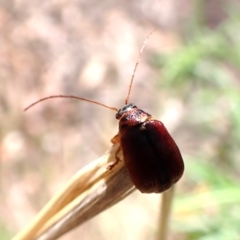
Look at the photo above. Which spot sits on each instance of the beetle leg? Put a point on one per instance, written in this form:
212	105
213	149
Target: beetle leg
111	166
116	139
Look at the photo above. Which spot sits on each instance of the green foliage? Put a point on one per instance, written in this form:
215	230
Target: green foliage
213	210
204	73
4	231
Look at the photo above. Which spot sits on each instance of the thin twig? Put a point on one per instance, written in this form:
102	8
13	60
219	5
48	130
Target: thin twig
165	211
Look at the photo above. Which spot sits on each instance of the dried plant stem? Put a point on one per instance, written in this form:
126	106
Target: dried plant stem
165	210
90	191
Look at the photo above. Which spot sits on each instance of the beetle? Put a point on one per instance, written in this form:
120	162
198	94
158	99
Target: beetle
151	156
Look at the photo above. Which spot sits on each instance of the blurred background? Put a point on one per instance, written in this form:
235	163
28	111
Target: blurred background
188	78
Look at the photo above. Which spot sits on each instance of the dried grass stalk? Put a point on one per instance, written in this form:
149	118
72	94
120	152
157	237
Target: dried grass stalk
90	191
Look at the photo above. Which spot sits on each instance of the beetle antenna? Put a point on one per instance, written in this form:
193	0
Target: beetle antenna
69	96
91	101
136	65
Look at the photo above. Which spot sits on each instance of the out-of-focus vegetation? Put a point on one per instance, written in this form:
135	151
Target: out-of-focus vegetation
205	73
89	49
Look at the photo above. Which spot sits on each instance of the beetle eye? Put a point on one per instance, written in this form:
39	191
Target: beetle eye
119	114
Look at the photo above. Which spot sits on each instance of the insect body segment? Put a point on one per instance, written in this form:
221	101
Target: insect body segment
130	115
151	156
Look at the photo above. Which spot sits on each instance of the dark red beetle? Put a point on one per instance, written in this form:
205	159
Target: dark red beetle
151	156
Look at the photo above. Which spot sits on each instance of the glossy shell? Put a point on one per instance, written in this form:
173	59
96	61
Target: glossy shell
151	156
